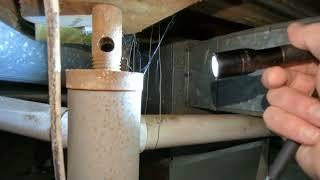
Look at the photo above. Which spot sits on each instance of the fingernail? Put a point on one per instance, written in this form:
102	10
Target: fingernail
315	111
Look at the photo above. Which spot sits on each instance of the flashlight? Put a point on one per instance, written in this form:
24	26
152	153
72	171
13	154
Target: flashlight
245	61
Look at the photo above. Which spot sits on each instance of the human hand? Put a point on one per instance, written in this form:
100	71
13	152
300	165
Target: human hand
293	113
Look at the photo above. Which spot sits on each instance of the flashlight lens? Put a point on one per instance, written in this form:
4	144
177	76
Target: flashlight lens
215	66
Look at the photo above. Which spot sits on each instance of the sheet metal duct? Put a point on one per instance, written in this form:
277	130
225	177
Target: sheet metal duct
25	60
242	94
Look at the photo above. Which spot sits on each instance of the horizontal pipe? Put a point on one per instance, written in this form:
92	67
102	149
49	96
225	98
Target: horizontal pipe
32	119
180	130
29	118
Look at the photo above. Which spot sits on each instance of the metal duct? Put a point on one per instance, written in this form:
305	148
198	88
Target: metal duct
25	60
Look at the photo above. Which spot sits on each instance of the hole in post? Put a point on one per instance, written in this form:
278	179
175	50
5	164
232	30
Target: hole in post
106	44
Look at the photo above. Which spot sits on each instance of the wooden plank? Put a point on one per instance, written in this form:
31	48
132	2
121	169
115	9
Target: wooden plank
35	7
250	14
246	13
137	14
9	14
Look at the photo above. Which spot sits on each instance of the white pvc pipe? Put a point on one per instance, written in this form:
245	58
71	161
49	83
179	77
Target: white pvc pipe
29	118
180	130
32	119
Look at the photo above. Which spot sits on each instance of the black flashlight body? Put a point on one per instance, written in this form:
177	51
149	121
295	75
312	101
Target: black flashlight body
245	61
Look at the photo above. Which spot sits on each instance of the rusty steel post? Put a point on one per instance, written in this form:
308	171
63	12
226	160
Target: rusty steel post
104	108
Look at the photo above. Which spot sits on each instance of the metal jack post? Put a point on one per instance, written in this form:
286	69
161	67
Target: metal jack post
104	107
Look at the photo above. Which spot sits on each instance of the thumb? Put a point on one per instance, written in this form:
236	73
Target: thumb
305	37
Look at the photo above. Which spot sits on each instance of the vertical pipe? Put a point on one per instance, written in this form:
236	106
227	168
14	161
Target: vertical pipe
106	37
104	108
104	135
54	73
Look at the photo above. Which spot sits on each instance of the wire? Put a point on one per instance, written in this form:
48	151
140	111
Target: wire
159	90
160	79
131	47
134	53
158	46
148	72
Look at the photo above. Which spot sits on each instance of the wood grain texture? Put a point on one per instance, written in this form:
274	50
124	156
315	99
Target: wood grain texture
54	73
250	14
9	14
137	14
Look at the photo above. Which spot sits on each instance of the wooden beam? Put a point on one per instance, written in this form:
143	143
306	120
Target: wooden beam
9	14
138	14
250	14
246	13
